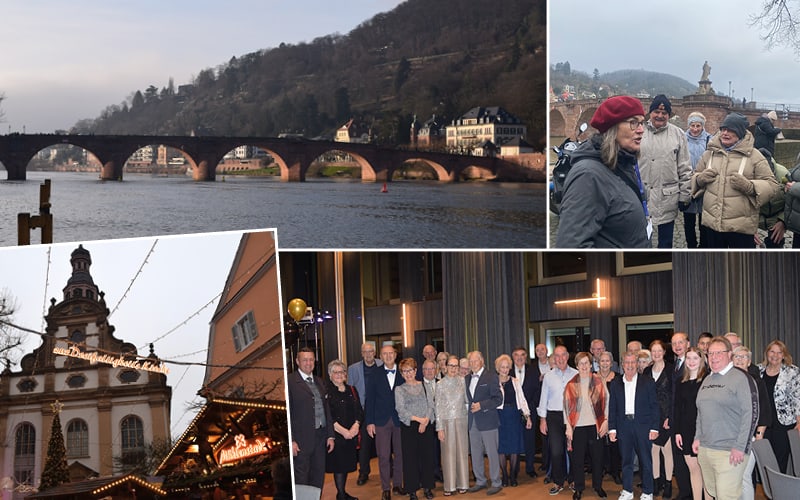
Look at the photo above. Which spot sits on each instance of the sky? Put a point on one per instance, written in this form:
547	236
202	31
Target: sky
675	37
65	61
175	288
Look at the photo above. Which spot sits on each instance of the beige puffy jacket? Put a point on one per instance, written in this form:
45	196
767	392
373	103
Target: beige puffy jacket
726	209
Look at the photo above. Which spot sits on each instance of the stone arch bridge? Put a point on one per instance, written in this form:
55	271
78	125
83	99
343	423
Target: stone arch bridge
294	156
566	117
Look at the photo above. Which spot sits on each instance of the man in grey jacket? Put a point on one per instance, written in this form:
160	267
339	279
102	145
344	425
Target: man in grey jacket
727	414
666	169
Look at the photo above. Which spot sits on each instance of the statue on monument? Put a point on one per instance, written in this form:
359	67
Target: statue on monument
706	72
705	84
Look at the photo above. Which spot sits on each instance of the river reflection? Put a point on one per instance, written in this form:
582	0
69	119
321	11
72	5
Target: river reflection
315	214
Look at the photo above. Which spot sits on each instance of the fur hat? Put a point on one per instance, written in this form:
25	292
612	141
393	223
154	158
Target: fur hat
615	110
772	115
661	100
736	123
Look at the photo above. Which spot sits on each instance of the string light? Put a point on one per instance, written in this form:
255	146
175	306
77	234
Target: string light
130	285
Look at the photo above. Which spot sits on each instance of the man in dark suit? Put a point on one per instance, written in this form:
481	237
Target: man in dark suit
633	420
383	424
312	426
531	389
483	396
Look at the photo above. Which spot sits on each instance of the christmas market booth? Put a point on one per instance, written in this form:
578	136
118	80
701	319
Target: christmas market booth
112	488
229	448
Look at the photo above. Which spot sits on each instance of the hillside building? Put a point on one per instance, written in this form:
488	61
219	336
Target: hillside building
109	414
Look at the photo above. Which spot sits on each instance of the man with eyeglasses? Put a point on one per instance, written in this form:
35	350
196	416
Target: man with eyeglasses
725	422
666	169
680	345
357	375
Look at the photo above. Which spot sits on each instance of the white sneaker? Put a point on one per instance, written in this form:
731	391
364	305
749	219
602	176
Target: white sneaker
625	495
646	496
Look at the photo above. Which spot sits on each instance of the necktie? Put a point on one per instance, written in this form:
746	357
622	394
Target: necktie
678	365
310	380
390	371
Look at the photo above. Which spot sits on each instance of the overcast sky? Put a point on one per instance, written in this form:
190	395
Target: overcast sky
675	37
64	61
183	274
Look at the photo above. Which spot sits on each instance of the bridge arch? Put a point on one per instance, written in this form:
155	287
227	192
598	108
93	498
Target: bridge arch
439	171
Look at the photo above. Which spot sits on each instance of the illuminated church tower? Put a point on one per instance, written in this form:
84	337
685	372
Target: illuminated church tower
109	415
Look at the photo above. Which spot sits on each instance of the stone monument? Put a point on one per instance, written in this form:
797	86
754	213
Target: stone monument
705	83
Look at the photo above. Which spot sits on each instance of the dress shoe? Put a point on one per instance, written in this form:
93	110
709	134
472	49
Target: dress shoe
428	493
387	495
362	480
513	482
547	480
576	495
412	495
493	490
476	488
667	490
533	474
601	493
398	491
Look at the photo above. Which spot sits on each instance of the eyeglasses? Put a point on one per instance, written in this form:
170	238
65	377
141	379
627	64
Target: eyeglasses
716	353
635	124
741	356
410	370
452	366
338	372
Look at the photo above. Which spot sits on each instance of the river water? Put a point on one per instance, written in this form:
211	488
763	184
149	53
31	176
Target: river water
318	214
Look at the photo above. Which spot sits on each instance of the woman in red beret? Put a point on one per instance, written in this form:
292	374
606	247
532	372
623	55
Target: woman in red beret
605	203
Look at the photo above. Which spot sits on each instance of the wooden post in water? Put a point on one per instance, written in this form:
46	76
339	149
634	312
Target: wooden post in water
26	222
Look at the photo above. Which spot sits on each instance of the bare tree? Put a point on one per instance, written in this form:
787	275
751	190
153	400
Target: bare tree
10	337
779	19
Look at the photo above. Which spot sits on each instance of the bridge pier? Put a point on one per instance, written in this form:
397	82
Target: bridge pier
17	169
293	173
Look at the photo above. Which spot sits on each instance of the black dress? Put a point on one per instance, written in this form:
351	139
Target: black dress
664	396
345	409
685	418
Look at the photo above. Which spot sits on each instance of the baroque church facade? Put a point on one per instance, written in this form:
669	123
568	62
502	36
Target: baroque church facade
109	414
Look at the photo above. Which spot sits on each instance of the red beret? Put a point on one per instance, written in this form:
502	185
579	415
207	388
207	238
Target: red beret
615	110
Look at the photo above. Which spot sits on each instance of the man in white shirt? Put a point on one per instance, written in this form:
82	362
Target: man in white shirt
551	415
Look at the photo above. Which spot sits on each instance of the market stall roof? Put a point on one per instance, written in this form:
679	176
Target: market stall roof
116	486
217	423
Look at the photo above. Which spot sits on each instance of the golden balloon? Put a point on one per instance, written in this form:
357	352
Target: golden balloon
297	308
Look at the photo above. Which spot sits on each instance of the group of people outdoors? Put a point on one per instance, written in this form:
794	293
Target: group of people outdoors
641	171
672	410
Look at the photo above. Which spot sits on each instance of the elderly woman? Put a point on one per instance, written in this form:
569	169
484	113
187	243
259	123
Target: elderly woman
782	380
586	416
735	180
451	426
605	204
415	409
685	415
742	358
347	417
643	360
510	442
697	138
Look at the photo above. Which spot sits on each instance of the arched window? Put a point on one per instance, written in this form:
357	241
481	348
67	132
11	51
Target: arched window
132	432
24	453
77	438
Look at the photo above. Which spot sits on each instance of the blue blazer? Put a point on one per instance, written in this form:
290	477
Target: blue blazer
646	412
380	397
488	394
357	375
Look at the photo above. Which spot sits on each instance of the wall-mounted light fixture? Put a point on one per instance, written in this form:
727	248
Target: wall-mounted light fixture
405	326
596	297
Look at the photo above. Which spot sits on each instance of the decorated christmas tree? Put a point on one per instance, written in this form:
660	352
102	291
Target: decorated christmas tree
55	470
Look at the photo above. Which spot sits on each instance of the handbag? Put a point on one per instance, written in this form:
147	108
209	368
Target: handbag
358	438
